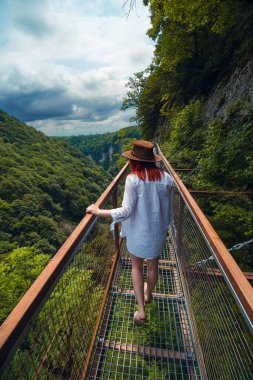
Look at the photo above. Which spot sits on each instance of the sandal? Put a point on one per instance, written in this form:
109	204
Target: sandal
138	320
147	299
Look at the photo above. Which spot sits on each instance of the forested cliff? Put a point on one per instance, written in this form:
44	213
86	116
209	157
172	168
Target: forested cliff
45	187
196	100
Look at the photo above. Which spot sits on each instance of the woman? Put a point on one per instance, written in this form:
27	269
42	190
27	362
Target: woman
146	212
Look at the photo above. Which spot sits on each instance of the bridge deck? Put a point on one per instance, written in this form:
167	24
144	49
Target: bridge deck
163	348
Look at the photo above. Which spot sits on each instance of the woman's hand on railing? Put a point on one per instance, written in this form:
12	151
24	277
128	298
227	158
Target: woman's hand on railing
92	209
95	210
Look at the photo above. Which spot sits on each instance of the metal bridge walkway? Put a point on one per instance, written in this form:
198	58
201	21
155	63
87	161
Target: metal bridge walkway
161	349
76	320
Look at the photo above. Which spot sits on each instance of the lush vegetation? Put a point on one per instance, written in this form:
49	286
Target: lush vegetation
221	153
45	187
198	44
60	337
105	149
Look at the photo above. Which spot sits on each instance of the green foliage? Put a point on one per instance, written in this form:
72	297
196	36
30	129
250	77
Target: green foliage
221	151
147	98
226	158
136	85
217	15
67	320
45	187
213	327
232	218
105	149
18	270
43	182
197	42
183	29
151	102
80	297
69	316
186	136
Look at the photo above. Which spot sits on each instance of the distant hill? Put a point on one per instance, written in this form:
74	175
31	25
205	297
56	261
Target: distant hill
105	149
45	187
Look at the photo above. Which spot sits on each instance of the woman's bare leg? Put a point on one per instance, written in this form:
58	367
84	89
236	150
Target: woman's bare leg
138	283
152	275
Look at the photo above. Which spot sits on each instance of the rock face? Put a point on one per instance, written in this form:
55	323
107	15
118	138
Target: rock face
107	155
228	92
111	151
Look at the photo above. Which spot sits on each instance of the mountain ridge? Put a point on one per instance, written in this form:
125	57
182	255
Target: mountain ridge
104	149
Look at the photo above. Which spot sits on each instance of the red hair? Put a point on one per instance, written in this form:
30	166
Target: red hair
146	170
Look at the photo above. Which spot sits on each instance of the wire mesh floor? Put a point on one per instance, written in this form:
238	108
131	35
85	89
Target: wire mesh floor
161	349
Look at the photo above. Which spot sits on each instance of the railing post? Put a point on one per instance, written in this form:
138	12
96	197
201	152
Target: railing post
179	228
116	227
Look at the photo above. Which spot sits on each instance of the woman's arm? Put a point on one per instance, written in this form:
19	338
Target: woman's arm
95	210
121	213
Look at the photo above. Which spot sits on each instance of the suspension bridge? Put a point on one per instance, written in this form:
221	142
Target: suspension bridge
76	320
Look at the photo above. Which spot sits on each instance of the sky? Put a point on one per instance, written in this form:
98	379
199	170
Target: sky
64	63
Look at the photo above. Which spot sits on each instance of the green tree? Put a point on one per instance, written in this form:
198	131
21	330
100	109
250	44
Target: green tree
18	270
136	85
186	136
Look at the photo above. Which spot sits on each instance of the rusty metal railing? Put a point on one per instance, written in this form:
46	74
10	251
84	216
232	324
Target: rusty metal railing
220	306
50	333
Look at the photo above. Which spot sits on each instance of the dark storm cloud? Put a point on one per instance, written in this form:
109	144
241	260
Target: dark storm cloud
36	105
57	103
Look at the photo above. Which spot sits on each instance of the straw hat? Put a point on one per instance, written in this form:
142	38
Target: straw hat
142	151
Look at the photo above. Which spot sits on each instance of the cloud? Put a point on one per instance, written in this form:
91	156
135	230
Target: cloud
58	127
68	61
87	95
28	16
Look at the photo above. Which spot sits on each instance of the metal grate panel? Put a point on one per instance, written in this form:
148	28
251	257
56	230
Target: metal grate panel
161	349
